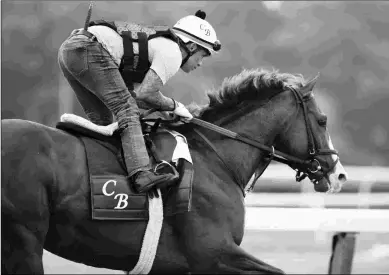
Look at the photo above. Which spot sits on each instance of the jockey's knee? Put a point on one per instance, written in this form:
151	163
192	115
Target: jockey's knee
127	118
126	111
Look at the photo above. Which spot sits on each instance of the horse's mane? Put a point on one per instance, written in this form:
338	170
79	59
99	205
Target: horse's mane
247	85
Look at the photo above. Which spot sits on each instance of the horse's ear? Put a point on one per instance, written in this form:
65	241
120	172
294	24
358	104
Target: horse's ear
308	87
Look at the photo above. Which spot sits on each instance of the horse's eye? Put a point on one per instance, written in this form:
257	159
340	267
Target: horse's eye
322	122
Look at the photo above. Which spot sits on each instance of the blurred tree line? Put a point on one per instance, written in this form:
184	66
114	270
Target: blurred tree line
347	42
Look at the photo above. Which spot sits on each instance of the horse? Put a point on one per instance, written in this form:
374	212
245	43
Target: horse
45	191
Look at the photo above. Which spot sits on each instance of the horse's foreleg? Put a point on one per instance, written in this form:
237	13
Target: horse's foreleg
237	261
207	251
22	249
227	260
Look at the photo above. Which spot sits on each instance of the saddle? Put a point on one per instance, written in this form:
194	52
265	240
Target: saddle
112	195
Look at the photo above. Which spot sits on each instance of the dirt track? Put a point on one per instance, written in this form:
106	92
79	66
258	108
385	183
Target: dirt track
296	252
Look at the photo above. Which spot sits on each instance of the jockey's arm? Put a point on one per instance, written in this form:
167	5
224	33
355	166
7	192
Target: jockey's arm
143	105
148	92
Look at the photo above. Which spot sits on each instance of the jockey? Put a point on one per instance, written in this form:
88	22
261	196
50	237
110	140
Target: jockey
113	74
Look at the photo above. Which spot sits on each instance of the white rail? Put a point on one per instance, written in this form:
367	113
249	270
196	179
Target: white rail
317	219
318	200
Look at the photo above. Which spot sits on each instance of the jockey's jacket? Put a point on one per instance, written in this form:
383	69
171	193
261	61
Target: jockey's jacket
136	48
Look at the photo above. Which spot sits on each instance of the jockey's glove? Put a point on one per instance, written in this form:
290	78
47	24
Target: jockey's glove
182	111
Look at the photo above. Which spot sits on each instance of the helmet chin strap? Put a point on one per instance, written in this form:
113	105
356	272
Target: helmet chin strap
188	53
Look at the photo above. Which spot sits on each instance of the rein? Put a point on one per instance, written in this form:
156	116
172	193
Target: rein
310	167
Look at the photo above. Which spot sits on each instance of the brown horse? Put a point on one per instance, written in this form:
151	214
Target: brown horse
45	189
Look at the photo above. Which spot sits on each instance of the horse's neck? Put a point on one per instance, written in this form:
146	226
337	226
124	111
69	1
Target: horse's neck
244	159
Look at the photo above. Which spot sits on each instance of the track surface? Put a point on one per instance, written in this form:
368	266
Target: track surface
294	252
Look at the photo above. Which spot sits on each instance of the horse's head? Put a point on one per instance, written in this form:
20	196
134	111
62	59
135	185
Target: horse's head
276	112
306	137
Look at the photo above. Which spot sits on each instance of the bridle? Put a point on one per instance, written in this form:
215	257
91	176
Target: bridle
316	172
310	167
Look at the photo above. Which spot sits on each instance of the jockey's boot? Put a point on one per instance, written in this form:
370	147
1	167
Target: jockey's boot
136	158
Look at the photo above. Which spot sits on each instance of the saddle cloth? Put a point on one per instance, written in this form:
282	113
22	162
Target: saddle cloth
112	195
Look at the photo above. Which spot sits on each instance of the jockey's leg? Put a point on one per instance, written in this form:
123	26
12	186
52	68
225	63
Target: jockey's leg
90	68
135	153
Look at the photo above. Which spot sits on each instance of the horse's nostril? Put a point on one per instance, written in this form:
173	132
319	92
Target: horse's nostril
342	177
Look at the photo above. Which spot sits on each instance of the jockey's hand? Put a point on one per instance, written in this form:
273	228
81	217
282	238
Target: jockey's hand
174	120
168	115
183	112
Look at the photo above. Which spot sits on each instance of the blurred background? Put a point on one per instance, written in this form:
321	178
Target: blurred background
346	42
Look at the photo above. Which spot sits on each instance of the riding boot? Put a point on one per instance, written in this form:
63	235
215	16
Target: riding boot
137	161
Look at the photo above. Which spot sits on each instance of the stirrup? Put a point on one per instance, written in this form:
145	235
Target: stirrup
163	164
